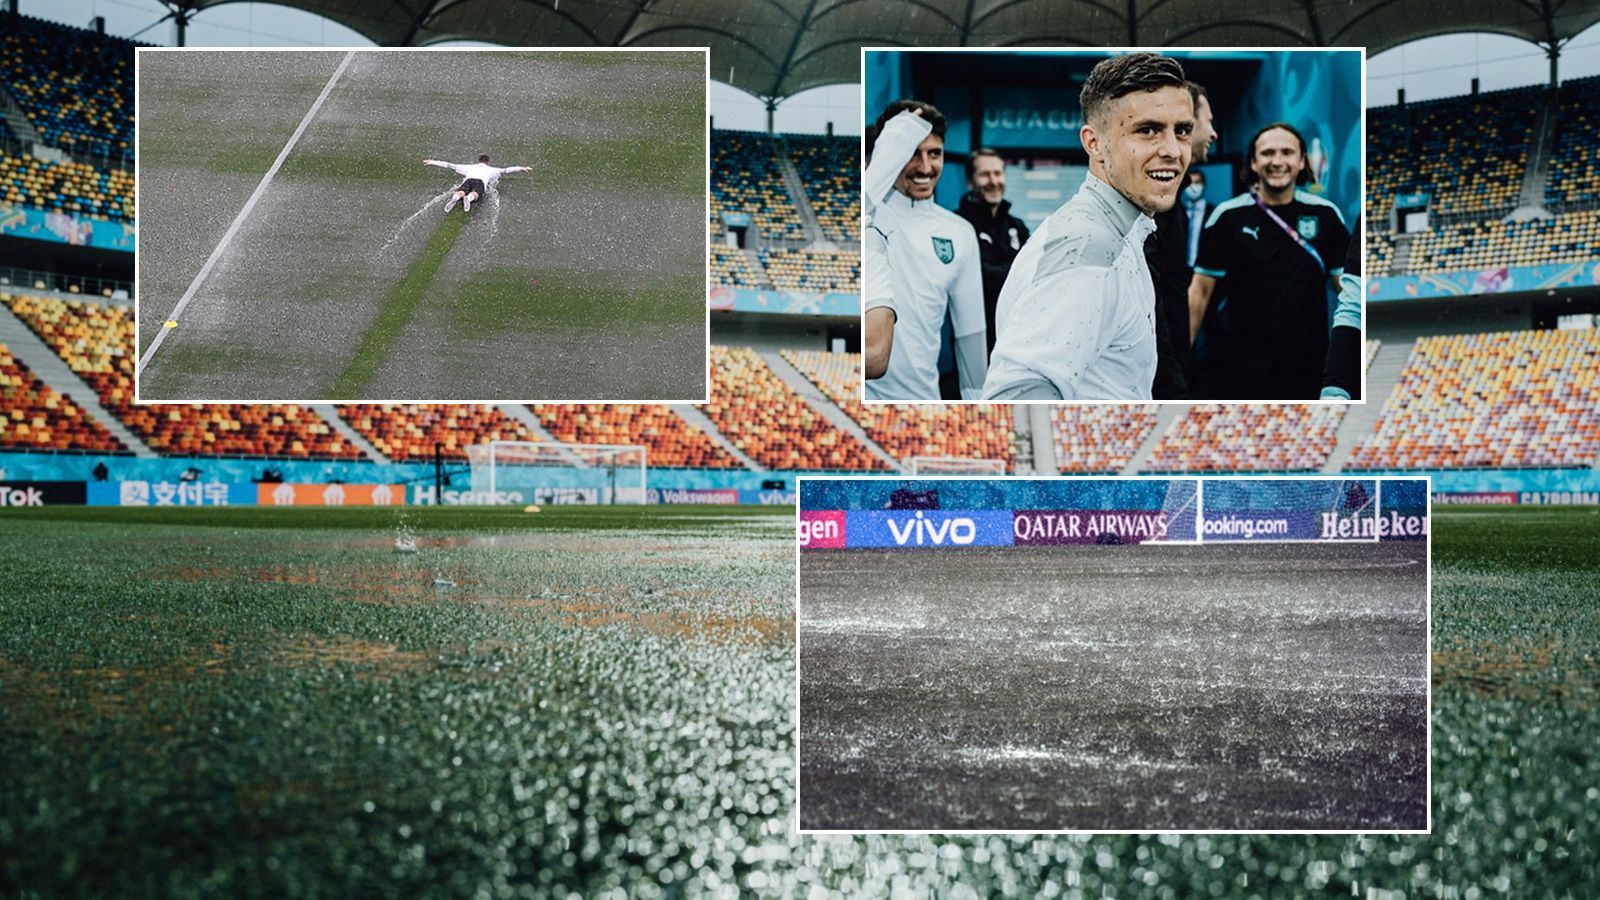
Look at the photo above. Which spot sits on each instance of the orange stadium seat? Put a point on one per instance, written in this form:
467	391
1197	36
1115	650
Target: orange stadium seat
34	416
671	441
96	341
772	424
1215	437
1522	398
1099	439
404	432
909	430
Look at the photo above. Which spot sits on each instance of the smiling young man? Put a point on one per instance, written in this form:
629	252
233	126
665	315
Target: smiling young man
932	266
1076	319
1272	254
1000	234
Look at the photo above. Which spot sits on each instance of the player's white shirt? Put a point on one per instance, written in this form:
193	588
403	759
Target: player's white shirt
482	171
1078	308
933	267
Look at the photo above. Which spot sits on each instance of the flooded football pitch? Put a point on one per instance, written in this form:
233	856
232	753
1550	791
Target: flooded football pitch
200	703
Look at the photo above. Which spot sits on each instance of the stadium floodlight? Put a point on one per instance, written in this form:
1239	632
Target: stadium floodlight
954	465
535	472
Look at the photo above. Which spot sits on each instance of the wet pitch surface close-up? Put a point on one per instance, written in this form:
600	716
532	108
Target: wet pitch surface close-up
1133	687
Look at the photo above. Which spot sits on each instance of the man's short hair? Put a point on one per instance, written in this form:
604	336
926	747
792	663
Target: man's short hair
1119	76
929	112
972	161
483	157
1196	91
1250	177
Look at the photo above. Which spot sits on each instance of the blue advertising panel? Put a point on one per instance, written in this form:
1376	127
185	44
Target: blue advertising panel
62	228
789	303
927	528
171	493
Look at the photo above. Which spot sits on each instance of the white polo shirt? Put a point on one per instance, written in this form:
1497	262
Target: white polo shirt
1076	318
933	267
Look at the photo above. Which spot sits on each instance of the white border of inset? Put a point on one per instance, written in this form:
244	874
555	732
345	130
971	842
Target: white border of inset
1361	202
1427	674
143	358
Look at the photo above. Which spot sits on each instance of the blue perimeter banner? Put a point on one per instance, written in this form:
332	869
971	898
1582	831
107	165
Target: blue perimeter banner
928	528
789	303
171	493
62	228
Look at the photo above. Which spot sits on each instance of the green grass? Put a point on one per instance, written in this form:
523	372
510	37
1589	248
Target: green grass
276	703
495	302
402	301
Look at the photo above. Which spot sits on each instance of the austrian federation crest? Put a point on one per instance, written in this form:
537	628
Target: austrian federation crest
1307	226
945	249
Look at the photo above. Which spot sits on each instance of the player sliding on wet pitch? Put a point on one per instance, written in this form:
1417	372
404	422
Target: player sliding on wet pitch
480	177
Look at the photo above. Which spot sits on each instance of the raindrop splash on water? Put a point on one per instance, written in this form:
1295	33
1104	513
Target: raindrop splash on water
432	203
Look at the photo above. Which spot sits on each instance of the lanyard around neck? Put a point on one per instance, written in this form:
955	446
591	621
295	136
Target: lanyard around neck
1294	235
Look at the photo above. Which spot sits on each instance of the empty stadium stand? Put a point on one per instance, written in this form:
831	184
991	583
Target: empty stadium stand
731	268
755	410
814	269
906	430
1570	237
75	86
405	432
96	342
1248	438
671	442
828	167
34	416
745	178
1099	439
1575	159
73	187
1524	398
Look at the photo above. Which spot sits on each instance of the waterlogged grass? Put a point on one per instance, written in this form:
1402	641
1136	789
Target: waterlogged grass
397	309
212	708
568	300
277	703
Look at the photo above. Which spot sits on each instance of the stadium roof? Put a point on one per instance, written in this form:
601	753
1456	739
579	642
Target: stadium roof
777	48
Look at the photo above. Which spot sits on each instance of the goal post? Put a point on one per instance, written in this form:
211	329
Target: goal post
538	472
1289	510
954	465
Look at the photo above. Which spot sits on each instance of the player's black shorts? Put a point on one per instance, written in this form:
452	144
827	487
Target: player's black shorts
471	185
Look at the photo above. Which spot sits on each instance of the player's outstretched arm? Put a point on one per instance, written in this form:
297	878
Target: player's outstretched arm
509	169
438	162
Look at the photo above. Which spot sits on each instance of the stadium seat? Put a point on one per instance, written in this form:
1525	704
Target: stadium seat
772	424
671	441
746	178
1213	437
96	341
1523	398
75	86
1099	439
405	432
907	430
34	416
814	269
829	169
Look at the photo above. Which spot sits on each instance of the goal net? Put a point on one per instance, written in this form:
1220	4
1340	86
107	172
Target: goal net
954	465
1284	510
531	472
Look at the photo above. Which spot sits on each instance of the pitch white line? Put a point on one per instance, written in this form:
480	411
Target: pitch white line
216	252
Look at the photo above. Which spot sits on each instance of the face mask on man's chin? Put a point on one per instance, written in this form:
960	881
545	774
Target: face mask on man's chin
1194	192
